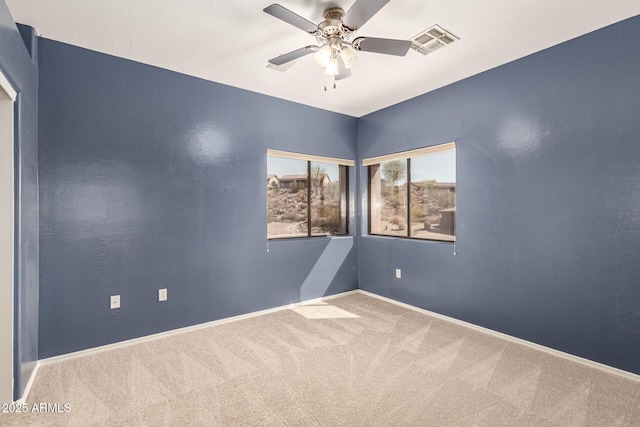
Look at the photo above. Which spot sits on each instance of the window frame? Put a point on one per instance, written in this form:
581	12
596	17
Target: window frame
406	156
343	171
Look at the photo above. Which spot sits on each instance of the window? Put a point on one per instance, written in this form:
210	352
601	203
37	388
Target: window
307	196
413	194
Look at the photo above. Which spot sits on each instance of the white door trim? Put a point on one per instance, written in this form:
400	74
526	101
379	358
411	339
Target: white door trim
7	238
6	86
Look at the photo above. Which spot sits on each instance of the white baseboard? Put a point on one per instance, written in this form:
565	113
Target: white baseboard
590	363
147	338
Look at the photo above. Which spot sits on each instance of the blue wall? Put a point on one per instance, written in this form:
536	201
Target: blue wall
21	70
150	179
548	198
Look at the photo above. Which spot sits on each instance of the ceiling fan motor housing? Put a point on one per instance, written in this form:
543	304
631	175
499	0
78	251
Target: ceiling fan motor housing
331	29
333	13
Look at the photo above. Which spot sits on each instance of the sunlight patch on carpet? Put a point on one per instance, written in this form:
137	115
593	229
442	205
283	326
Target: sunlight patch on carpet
323	311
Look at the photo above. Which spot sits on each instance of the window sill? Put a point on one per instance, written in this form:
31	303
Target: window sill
410	239
297	239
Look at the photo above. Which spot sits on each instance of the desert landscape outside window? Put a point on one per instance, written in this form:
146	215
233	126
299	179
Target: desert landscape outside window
306	197
388	195
413	194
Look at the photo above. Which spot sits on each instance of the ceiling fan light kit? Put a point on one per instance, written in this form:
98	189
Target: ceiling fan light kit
336	47
323	56
349	57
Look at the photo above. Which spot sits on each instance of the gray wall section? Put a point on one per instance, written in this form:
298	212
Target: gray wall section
548	199
21	70
151	179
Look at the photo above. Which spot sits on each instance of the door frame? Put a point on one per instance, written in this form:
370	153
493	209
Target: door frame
7	227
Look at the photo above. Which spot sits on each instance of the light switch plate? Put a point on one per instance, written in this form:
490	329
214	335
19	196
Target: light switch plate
398	273
162	294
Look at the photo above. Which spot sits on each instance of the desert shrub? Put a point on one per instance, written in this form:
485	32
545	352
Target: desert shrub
332	190
332	220
399	221
290	216
316	220
418	212
395	202
327	219
445	199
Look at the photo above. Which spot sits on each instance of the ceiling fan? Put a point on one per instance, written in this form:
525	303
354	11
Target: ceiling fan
335	37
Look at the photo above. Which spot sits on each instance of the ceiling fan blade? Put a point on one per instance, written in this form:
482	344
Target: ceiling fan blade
289	17
361	12
287	57
386	46
343	71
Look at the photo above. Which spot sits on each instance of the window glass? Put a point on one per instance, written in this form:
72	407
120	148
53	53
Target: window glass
326	215
433	196
389	198
286	197
292	181
413	194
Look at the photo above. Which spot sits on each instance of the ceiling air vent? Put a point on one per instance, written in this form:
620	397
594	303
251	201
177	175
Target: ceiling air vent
431	39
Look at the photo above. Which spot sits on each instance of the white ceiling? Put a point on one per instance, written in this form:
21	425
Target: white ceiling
230	41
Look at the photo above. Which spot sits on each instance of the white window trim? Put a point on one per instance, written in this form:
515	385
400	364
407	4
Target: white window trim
309	157
408	154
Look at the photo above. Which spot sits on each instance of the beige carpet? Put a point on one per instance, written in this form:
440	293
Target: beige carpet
354	361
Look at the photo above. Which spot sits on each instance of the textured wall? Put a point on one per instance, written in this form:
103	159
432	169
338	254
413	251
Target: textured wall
548	199
21	70
151	179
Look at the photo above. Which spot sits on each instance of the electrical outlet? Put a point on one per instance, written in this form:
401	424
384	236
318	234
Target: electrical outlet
115	301
398	273
162	294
